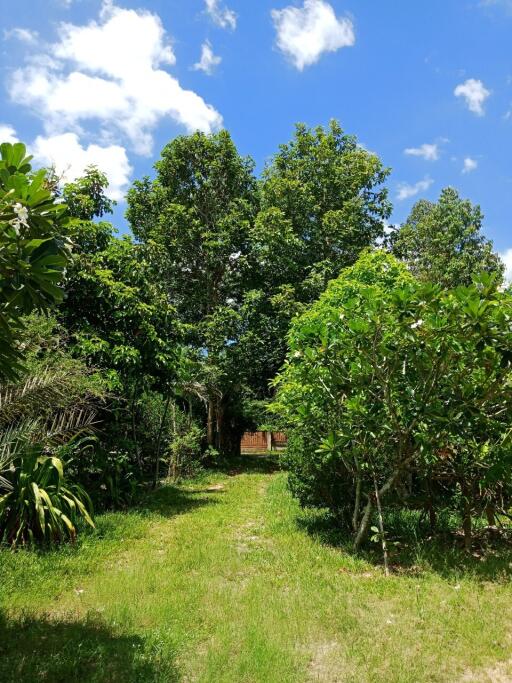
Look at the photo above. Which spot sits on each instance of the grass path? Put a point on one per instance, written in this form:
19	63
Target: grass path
218	581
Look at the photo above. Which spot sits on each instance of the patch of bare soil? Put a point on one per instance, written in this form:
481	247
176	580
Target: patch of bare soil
499	673
327	664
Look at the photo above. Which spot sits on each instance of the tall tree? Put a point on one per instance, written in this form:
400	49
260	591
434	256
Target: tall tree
116	313
194	221
322	202
442	242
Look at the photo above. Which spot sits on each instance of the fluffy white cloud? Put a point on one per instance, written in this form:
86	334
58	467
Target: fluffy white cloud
23	34
70	159
429	152
469	165
406	191
209	61
304	33
7	133
475	94
220	14
506	257
109	71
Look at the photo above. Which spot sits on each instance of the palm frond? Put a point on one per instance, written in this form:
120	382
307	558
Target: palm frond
69	424
32	395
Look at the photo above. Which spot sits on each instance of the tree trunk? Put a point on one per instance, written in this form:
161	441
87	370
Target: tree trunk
134	427
466	518
159	441
388	484
357	503
269	441
362	532
432	516
381	529
219	424
210	428
490	513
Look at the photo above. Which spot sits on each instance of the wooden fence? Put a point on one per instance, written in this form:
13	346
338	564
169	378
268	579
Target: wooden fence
263	441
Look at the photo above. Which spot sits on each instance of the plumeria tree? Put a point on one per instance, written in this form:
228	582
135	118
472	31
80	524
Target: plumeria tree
390	381
33	248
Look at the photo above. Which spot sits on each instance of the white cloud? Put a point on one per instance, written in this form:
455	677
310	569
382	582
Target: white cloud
109	72
209	61
7	133
406	191
70	159
469	165
429	152
25	35
475	94
303	34
220	14
506	4
506	257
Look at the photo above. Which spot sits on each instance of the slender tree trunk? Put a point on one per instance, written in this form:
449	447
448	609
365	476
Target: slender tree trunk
490	513
220	436
357	503
362	532
381	528
210	428
388	484
430	506
466	517
159	441
171	459
134	426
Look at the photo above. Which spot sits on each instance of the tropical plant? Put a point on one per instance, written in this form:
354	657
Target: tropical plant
33	249
37	505
44	416
392	387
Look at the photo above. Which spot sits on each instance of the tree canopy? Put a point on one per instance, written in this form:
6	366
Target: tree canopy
442	242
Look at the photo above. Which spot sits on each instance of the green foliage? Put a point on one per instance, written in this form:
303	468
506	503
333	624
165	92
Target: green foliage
86	198
389	379
194	221
322	202
44	416
37	504
186	453
442	242
33	249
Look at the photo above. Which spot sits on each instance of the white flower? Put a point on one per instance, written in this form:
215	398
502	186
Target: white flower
22	213
418	323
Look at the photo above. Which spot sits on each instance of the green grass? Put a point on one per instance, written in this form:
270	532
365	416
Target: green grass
225	580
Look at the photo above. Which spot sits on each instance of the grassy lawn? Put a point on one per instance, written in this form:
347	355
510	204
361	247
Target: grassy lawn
225	580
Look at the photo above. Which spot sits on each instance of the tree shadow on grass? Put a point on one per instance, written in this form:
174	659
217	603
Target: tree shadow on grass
414	549
170	500
43	649
250	463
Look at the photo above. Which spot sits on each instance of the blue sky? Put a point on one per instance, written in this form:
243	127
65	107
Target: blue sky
426	85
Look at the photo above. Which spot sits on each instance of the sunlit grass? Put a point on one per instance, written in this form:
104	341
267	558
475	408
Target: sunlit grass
225	580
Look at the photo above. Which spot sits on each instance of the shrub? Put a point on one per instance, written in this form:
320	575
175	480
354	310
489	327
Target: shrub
399	391
185	453
37	504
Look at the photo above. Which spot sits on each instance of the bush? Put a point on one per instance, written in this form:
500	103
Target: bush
185	453
38	505
400	392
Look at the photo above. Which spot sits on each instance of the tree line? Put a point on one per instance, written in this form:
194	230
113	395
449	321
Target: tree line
123	359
